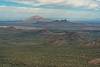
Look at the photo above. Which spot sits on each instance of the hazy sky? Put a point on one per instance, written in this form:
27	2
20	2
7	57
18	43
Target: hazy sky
72	9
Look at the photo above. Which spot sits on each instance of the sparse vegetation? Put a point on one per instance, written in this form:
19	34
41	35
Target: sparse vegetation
36	49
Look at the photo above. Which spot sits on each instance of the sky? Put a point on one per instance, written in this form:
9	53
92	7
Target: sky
53	9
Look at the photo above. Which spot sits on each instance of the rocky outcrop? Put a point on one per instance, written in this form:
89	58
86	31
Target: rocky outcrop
94	61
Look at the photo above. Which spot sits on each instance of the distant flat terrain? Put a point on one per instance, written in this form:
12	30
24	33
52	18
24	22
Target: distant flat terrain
55	25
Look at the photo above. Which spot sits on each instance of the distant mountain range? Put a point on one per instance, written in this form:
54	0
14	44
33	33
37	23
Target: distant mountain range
35	19
41	22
